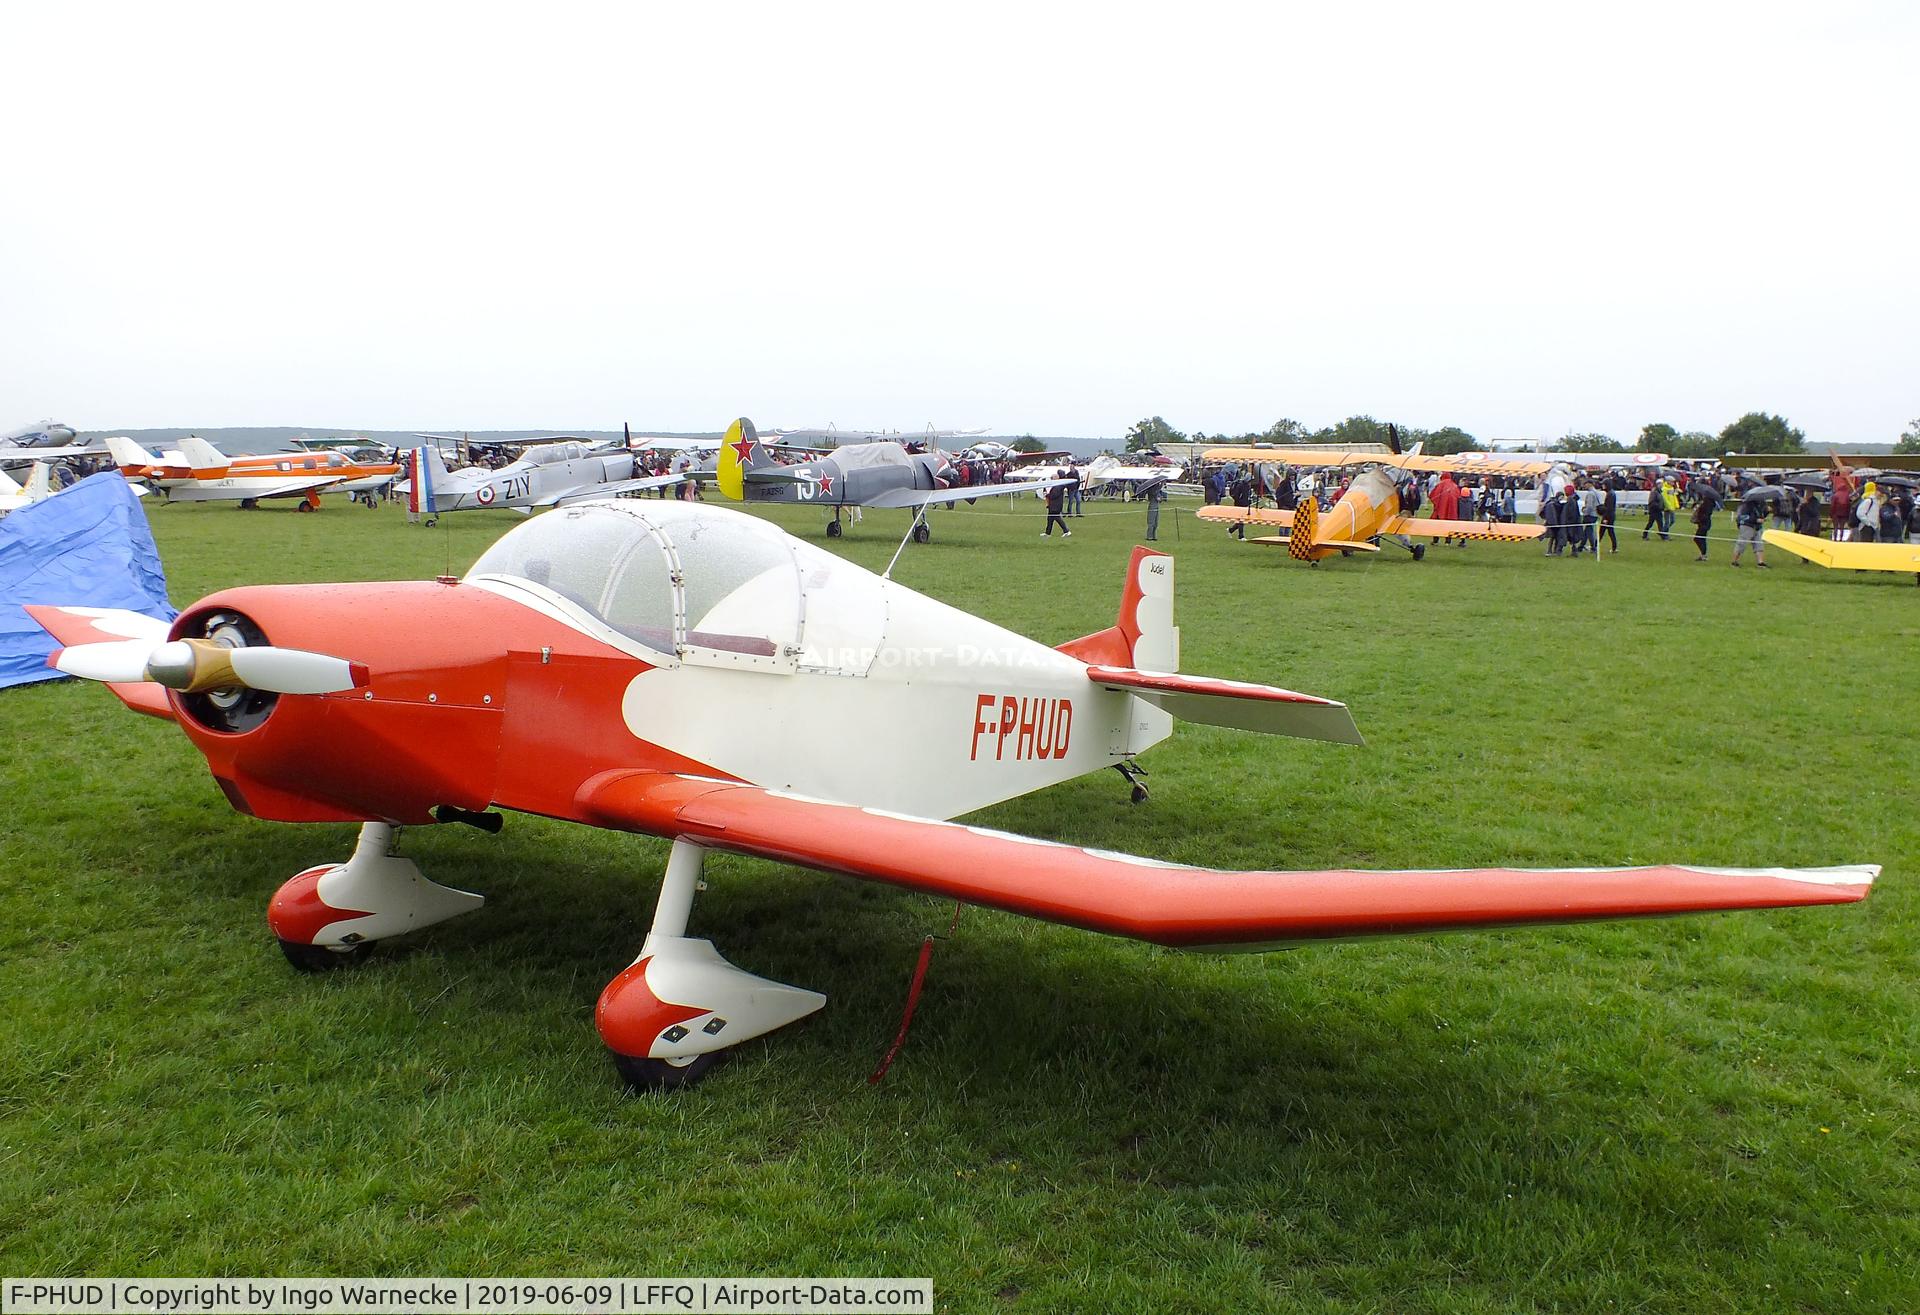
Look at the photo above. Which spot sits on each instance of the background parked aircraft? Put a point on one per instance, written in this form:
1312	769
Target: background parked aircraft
548	475
28	441
1370	507
880	474
199	472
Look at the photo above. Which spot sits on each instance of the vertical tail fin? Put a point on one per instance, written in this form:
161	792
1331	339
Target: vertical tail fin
202	455
424	470
740	451
1306	523
1144	636
126	453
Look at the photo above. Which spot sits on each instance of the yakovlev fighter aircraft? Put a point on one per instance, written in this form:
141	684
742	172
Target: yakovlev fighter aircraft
690	672
1370	508
880	474
550	475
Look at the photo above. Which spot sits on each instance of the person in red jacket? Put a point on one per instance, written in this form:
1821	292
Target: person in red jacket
1446	500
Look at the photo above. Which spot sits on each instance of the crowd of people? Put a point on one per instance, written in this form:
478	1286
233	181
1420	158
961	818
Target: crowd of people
1583	513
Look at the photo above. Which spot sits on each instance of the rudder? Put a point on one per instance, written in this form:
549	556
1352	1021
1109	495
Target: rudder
1144	636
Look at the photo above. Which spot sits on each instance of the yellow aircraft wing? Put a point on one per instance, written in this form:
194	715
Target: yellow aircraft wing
1251	515
1815	460
1298	456
1466	529
1901	557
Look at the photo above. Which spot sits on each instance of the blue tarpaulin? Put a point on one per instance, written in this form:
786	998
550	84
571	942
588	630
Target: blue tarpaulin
86	547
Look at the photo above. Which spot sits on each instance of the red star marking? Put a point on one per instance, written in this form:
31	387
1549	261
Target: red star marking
826	485
743	449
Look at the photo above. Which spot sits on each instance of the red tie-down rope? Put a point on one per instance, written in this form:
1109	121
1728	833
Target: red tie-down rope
913	1000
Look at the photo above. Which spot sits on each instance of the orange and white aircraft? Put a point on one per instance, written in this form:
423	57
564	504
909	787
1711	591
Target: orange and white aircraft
199	472
1370	508
692	672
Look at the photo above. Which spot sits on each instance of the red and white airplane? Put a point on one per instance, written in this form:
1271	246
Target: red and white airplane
686	671
198	471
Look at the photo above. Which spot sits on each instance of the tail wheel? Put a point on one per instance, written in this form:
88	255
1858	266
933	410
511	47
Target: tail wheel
921	533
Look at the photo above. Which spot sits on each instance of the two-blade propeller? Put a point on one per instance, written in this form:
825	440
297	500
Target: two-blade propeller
194	666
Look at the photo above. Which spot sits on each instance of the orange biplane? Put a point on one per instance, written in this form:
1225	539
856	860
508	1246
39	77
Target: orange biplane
1370	508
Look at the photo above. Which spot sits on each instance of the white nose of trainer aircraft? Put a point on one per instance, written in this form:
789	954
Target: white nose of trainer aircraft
690	672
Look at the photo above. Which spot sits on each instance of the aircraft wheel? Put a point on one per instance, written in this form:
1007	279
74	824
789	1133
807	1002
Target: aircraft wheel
833	529
1419	552
303	506
664	1074
321	958
921	533
1346	552
1139	793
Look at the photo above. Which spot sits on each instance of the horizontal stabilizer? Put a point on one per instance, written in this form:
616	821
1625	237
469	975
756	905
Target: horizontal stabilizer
1235	703
1342	545
1171	903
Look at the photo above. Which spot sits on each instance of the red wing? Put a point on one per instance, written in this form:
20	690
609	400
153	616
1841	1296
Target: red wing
1169	903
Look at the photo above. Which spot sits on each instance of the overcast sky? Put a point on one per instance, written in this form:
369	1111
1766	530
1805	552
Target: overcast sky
1521	219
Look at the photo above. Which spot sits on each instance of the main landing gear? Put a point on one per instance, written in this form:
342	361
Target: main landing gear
669	1018
331	915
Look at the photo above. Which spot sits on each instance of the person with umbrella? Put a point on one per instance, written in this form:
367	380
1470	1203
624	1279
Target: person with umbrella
1866	513
1806	515
1751	520
1893	516
1155	493
1241	491
1706	502
1056	507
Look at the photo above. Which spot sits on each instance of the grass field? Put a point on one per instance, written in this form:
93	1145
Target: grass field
1711	1114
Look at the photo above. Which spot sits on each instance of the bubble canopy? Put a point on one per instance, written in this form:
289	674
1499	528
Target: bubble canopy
700	584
